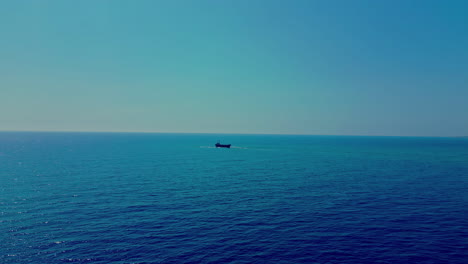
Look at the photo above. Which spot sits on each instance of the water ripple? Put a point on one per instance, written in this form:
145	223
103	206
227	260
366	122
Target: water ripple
150	199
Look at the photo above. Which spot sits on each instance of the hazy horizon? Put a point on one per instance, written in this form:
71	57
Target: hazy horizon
364	68
214	133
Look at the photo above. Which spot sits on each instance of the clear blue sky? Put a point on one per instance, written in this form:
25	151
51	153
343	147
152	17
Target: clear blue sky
391	67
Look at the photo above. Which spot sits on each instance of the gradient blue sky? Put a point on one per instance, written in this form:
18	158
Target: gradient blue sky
391	67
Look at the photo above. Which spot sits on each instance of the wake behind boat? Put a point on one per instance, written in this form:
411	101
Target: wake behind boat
219	145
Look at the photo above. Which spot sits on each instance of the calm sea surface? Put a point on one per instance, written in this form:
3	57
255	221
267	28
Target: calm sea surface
174	198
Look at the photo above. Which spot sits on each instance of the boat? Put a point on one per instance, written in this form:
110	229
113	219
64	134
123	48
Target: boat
219	145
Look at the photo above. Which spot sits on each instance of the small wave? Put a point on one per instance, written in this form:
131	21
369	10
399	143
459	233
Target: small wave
236	147
233	147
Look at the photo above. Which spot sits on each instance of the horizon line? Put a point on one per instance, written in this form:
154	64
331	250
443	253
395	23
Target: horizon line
216	133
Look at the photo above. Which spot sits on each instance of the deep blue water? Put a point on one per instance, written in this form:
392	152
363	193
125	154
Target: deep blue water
173	198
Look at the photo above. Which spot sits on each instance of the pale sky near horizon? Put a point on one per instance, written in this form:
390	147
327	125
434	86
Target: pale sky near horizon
363	67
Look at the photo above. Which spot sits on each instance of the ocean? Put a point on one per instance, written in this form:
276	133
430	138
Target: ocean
175	198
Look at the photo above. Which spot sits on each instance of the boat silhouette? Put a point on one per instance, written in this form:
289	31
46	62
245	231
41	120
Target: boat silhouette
219	145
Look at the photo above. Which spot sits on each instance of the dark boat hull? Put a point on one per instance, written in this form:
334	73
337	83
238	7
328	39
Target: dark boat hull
222	146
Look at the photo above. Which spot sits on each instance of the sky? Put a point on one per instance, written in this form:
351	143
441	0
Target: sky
331	67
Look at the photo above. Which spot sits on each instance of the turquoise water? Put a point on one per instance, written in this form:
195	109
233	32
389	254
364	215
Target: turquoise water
174	198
